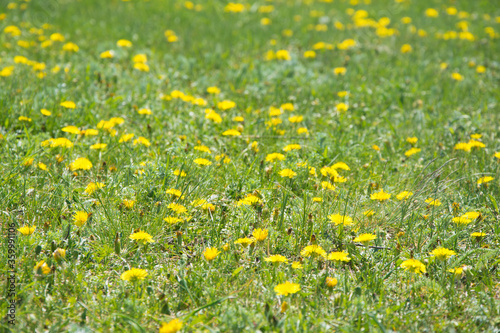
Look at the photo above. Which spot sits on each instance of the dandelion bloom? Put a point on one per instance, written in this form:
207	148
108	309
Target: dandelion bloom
288	173
275	156
179	173
340	165
80	218
249	200
231	132
284	289
23	118
99	146
297	265
292	147
406	48
414	266
283	55
478	235
433	202
244	241
143	141
172	326
178	208
442	253
142	236
331	282
484	180
380	196
134	274
26	230
145	111
174	192
226	105
124	43
457	271
202	161
310	54
341	219
42	268
463	146
260	234
129	204
431	12
71	129
172	220
92	187
342	107
109	54
497	155
412	151
276	258
210	253
213	90
45	112
404	195
295	119
313	250
457	76
339	70
461	220
365	238
80	163
68	104
339	256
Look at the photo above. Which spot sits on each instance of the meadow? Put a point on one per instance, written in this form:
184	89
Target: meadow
253	166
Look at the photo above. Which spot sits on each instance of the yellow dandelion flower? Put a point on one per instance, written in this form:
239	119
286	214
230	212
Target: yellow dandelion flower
380	196
80	163
124	43
433	202
339	256
42	268
341	219
244	241
287	288
414	266
26	230
276	258
231	132
484	180
92	187
80	218
260	234
202	161
287	173
142	236
275	156
172	326
134	274
68	104
404	195
211	253
313	250
442	253
331	282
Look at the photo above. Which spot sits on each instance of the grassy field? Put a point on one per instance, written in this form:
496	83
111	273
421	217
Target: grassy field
270	165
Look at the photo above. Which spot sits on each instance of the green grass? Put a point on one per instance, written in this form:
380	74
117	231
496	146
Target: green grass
392	96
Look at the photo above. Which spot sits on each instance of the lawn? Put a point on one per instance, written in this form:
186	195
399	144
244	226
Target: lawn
269	165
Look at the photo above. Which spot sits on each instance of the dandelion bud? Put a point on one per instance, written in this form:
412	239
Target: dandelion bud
118	245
